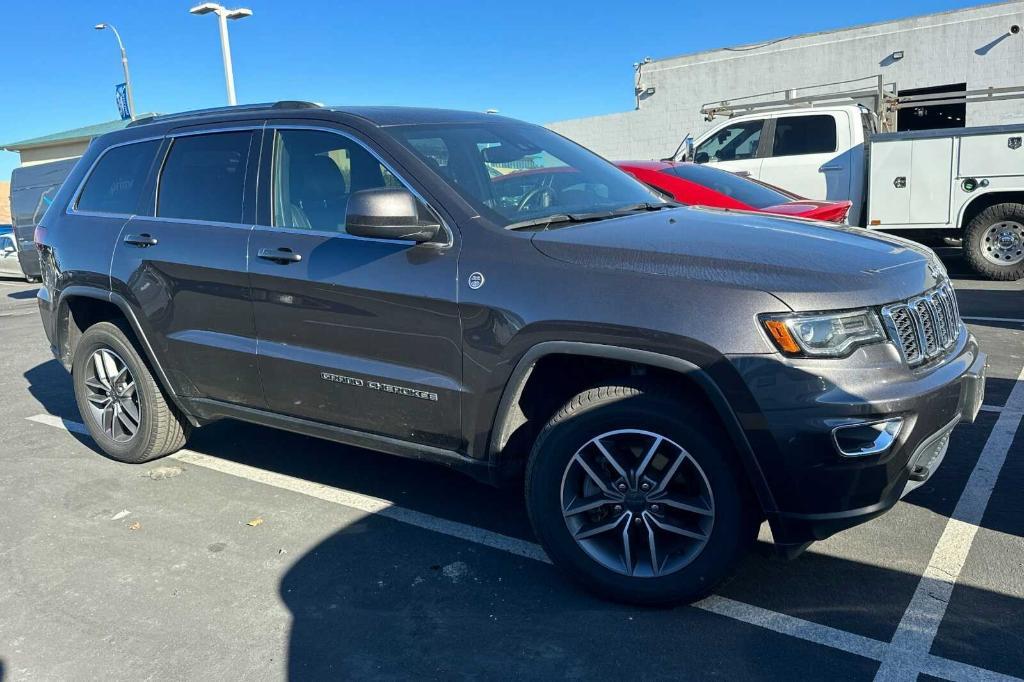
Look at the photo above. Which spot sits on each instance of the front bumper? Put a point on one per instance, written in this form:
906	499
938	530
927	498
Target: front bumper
817	490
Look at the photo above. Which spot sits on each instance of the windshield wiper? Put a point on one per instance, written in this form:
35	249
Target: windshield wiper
645	206
556	219
559	218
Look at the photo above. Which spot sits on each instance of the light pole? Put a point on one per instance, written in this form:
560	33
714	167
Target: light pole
124	65
223	14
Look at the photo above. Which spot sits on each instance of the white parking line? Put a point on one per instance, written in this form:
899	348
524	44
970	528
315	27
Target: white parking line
920	623
749	614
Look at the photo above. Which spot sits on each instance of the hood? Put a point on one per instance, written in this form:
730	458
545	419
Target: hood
829	211
808	265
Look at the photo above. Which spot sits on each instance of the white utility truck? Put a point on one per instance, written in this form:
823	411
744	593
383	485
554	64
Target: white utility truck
964	184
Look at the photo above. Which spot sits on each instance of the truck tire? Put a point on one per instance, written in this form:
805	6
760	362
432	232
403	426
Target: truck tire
639	496
121	403
994	242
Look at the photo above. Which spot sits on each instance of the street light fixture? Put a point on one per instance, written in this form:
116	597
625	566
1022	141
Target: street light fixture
223	14
124	65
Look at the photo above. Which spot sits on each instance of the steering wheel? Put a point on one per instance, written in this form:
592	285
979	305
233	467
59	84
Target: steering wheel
544	194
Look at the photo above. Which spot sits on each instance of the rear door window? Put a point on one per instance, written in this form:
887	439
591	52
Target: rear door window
115	183
795	135
203	177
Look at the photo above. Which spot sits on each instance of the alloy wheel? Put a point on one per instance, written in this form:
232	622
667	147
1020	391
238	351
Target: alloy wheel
113	401
1003	243
637	503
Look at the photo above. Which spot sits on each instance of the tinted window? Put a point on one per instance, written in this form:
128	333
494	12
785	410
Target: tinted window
751	193
204	177
115	183
804	135
315	172
732	143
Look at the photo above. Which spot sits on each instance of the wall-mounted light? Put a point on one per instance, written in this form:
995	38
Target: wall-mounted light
897	55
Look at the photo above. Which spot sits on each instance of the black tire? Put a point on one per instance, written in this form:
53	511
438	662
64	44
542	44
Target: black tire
161	429
975	247
607	408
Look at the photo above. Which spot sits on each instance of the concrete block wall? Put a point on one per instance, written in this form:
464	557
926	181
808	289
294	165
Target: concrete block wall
972	45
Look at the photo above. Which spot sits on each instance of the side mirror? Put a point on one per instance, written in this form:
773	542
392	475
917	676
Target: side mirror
687	149
701	157
8	249
388	213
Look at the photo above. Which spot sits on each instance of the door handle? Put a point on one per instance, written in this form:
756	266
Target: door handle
280	256
828	169
742	173
141	240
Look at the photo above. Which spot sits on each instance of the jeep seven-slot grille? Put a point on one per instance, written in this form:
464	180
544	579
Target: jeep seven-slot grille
926	326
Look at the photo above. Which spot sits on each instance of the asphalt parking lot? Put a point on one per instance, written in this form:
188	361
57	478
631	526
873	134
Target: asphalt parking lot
258	554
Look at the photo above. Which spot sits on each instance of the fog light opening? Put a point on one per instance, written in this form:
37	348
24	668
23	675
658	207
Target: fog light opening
866	438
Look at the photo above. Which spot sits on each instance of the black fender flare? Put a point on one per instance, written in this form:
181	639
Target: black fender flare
503	421
62	309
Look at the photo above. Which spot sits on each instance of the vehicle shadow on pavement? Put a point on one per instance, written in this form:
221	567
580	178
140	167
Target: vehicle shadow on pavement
384	603
23	295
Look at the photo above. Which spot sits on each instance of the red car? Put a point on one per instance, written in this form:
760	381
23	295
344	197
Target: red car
695	184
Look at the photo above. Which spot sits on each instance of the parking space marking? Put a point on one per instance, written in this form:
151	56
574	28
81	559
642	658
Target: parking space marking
920	623
735	610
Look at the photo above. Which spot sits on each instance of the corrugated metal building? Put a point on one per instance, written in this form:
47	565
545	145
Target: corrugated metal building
968	49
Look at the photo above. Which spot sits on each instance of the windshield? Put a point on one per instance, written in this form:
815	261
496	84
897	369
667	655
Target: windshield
750	192
515	173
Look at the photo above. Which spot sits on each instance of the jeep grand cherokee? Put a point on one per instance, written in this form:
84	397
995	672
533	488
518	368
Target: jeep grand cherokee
483	293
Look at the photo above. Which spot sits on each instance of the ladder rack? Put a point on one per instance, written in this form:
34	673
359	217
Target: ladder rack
882	99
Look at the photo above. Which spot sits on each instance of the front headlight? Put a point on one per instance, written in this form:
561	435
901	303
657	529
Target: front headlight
830	335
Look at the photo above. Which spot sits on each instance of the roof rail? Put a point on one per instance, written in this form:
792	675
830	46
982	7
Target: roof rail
262	106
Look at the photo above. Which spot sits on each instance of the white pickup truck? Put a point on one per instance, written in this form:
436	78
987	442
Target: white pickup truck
963	183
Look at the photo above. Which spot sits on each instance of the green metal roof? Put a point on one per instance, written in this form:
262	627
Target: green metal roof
83	133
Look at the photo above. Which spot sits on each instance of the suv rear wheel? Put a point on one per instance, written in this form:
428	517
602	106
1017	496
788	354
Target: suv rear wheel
639	496
121	404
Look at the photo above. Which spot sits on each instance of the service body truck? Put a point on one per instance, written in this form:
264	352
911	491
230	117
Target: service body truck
955	183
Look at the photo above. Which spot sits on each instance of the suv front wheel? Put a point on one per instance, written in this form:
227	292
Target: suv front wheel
639	496
121	403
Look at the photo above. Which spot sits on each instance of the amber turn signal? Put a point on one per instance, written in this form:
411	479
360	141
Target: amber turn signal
780	334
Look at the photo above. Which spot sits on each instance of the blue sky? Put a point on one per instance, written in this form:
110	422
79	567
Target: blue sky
539	60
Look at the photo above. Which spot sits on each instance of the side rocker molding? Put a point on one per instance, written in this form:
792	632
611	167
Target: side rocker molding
60	320
503	421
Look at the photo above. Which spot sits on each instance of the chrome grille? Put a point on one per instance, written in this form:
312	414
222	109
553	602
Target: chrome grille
926	326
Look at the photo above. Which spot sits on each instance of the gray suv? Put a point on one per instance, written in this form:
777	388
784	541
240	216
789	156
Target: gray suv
485	294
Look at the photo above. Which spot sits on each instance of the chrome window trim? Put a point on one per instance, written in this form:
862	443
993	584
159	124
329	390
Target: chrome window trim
401	178
72	208
189	221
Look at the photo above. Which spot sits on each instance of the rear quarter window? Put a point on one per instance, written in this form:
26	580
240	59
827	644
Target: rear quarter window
795	135
115	183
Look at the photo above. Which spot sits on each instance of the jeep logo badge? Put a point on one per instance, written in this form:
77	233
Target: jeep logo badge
476	280
1013	143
